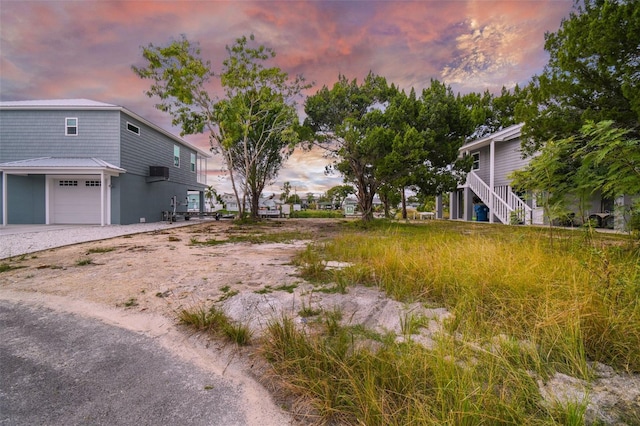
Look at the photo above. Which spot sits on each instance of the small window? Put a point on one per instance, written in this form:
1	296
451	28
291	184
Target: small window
193	163
476	160
133	128
68	183
71	126
176	155
92	183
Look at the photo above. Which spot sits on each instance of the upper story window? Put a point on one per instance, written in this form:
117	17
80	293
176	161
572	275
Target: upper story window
193	163
176	155
71	126
476	161
133	128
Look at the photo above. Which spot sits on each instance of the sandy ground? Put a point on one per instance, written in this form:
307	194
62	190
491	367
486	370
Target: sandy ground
142	281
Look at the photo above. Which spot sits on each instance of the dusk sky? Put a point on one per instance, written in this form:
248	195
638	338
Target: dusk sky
85	49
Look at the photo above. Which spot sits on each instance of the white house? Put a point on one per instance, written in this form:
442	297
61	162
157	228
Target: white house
487	193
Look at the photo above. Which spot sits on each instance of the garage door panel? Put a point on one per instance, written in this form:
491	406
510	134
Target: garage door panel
76	201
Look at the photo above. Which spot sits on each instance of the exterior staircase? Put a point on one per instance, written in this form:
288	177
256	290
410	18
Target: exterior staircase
502	201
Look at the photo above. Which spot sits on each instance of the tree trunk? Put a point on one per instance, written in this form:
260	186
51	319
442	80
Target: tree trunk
255	206
404	204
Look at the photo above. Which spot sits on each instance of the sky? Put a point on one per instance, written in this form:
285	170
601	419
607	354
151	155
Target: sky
55	49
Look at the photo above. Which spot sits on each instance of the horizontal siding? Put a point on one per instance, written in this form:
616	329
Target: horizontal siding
508	157
483	170
152	148
29	134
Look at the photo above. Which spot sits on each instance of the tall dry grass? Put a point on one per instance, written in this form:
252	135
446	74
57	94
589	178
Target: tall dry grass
524	307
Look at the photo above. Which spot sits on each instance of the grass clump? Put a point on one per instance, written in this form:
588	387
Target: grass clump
84	262
216	322
100	250
350	379
5	267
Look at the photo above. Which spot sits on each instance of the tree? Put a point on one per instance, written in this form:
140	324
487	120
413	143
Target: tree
252	126
347	121
212	195
615	153
592	74
339	193
582	113
381	136
491	113
446	123
286	190
390	198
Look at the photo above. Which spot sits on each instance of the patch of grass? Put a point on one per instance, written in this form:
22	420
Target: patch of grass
131	302
321	214
216	322
308	312
411	323
173	238
84	262
100	250
227	293
4	267
289	288
523	308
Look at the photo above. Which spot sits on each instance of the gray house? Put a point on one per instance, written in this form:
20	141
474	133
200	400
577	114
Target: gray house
77	161
487	194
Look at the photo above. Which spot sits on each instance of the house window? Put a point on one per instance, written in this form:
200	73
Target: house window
133	128
193	163
71	126
476	161
68	183
92	183
176	155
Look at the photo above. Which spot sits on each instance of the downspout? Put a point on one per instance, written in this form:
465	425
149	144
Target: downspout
5	215
102	183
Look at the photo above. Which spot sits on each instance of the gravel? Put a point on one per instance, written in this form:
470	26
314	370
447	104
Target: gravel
16	240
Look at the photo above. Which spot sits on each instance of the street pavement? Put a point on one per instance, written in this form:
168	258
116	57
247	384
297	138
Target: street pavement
63	369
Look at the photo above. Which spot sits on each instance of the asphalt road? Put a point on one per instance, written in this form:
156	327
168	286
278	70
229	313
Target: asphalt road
62	369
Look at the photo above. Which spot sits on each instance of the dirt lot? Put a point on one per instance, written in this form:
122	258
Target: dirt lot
142	281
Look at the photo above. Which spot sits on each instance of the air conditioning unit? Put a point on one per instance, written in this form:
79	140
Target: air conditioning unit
158	173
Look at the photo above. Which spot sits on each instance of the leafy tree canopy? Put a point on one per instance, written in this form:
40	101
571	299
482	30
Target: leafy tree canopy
593	74
253	124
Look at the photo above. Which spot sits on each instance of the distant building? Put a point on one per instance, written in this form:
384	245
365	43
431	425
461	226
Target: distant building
78	161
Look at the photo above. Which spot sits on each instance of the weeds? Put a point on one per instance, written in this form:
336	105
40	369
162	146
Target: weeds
100	250
215	321
523	308
4	267
131	302
84	262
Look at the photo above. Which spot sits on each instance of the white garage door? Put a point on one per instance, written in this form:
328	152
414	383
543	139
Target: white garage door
76	201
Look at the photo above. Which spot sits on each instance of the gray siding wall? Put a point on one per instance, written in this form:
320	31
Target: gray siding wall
141	199
483	170
34	134
508	157
26	199
152	148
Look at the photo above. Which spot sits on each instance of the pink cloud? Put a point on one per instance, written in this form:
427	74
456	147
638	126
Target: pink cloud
85	49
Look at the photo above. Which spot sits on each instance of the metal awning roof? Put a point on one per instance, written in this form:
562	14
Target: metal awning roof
60	165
